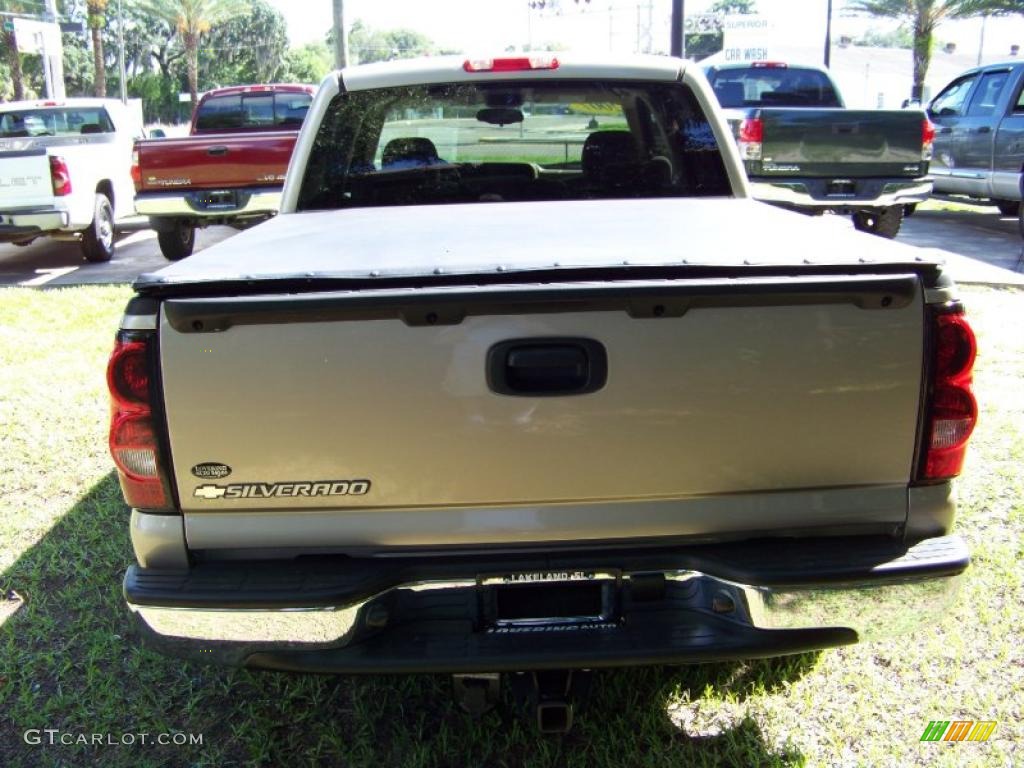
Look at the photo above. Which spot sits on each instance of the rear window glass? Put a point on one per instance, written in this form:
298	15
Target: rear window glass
55	122
252	110
495	142
773	86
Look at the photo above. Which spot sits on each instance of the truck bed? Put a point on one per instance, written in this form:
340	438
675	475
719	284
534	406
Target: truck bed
712	366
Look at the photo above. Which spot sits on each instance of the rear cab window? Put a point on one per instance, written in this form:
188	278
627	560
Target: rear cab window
252	111
502	142
773	86
55	122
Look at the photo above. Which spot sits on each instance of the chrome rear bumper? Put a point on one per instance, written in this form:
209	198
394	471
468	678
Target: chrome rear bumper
802	195
665	616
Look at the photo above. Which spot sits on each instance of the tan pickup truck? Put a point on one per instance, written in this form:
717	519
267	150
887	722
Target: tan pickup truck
520	379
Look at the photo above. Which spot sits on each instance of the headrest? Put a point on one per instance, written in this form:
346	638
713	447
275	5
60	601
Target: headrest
90	128
410	151
607	150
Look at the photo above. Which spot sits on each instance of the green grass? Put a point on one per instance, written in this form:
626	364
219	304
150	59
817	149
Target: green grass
71	660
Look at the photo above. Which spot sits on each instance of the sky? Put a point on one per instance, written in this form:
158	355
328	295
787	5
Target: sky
600	25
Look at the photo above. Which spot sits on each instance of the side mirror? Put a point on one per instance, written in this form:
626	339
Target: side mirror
157	133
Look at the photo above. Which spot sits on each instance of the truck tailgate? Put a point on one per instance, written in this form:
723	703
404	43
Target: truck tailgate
221	162
830	142
739	404
25	179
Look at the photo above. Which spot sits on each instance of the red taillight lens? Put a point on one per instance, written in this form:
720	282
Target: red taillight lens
927	138
952	410
136	171
128	375
133	439
750	138
60	176
510	64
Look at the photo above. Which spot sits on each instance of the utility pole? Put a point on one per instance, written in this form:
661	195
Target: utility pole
981	40
120	52
340	41
678	39
54	60
828	36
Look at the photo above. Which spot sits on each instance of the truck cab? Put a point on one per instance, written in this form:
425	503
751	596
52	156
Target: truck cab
979	141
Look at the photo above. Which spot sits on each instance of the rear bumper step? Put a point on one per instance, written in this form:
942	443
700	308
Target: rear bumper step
667	606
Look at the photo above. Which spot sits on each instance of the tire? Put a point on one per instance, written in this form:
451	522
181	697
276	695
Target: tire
1007	207
178	242
884	222
98	239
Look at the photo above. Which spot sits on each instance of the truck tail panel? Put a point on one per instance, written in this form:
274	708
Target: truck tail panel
670	407
214	162
25	180
830	142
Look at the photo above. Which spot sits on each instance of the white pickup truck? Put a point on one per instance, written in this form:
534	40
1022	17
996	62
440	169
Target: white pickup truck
65	171
520	379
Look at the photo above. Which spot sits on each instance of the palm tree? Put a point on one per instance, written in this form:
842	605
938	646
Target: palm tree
95	14
13	57
925	15
192	19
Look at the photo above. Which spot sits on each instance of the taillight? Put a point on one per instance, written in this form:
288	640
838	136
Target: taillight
951	409
927	138
750	138
511	64
136	171
134	445
60	176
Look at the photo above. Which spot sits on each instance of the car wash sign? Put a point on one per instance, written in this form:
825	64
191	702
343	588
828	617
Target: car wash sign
747	37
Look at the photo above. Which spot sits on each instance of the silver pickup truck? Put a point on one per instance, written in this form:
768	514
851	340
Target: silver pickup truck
502	391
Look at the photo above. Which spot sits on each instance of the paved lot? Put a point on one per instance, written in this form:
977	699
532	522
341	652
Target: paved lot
978	244
53	263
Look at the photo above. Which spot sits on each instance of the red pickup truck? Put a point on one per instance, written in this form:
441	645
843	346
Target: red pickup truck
228	170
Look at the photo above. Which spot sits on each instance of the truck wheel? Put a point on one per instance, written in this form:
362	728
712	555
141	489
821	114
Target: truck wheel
98	239
884	222
178	242
1007	207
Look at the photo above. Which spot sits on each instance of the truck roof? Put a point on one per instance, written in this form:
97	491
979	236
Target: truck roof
11	106
516	66
263	88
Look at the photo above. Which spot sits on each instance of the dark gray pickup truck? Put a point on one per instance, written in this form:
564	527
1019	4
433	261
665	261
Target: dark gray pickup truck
803	150
979	142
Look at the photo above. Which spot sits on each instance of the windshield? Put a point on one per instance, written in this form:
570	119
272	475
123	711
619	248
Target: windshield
54	122
499	142
773	87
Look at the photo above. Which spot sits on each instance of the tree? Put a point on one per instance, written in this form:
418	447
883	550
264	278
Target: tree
191	19
367	45
247	48
97	20
13	57
924	16
308	64
699	46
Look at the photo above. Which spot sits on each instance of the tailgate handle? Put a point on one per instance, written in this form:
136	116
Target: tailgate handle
547	367
220	149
